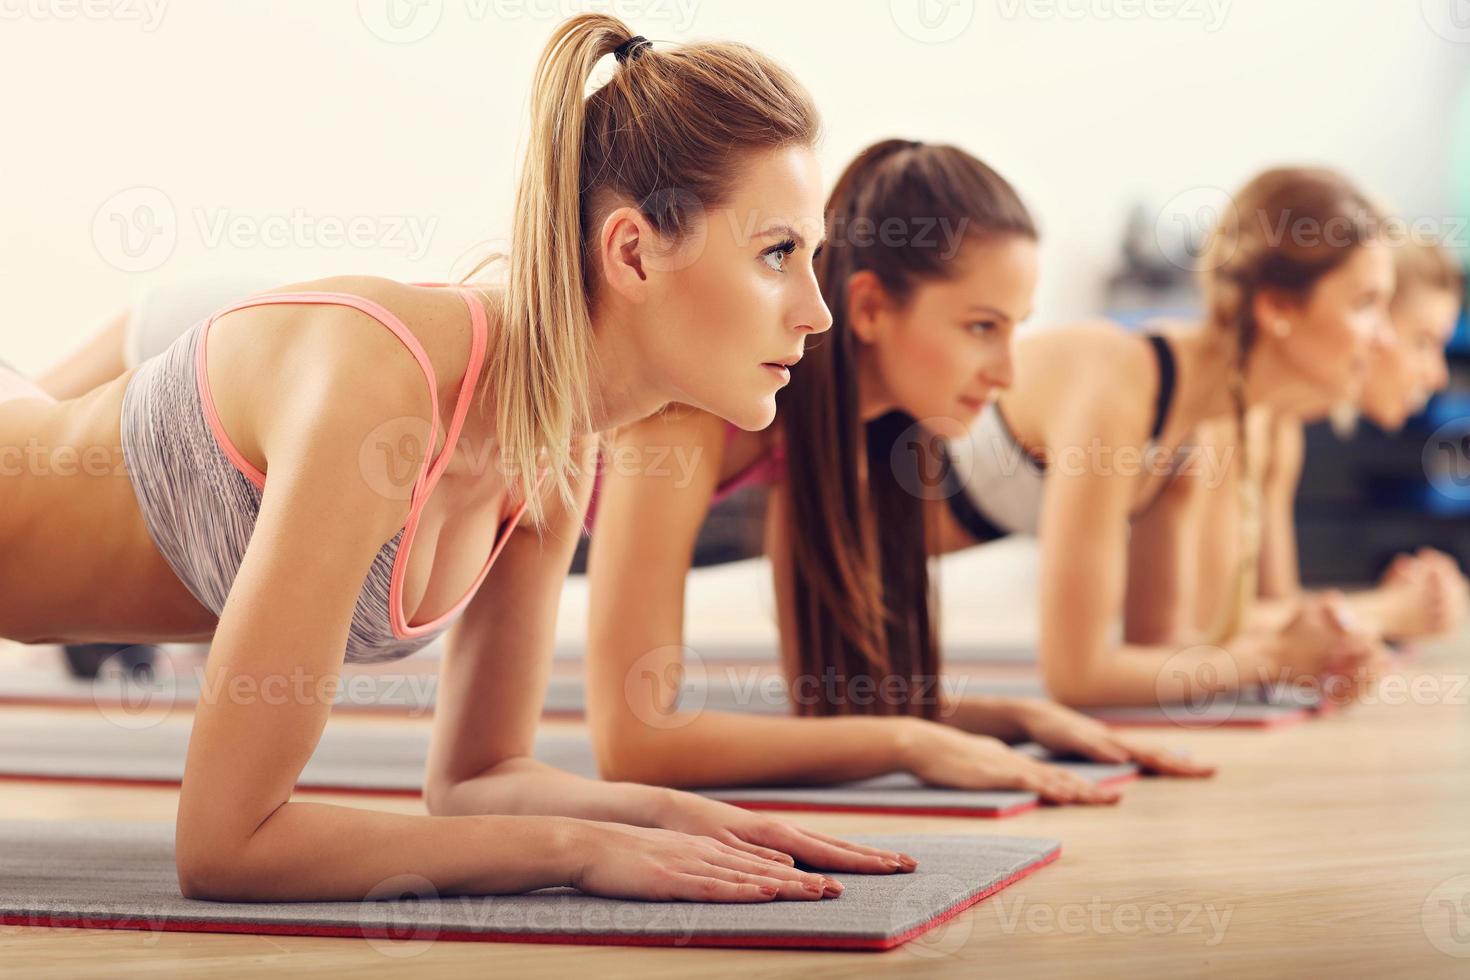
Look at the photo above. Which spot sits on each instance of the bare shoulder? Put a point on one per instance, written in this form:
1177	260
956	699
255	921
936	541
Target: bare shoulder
291	378
1092	374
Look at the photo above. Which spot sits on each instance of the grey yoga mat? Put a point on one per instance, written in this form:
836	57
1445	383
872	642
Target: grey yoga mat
122	875
391	760
724	687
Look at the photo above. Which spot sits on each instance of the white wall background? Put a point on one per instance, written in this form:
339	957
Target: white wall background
247	112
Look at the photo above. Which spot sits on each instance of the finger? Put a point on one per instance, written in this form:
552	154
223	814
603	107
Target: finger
788	888
733	839
837	855
772	869
1107	750
905	861
776	865
702	888
1166	763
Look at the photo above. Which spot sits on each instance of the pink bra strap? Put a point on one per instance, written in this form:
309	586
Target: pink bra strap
375	310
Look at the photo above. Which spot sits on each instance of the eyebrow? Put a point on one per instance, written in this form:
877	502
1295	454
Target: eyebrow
787	231
982	308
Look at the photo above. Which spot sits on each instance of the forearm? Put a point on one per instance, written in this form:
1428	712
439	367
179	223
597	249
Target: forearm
1383	611
322	852
526	787
715	748
1131	674
983	714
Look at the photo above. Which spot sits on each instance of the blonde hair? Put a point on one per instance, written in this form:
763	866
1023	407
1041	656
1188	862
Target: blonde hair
665	134
1287	228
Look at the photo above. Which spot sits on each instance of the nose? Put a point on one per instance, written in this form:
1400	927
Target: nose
814	317
1440	374
1000	373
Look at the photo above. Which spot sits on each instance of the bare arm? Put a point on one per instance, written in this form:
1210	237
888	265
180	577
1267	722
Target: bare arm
1084	543
495	668
648	522
1403	604
96	362
240	836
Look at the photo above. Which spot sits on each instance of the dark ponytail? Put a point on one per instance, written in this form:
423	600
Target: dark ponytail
859	554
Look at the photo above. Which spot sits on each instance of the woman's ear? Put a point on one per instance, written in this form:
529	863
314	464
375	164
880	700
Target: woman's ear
1275	313
621	245
865	304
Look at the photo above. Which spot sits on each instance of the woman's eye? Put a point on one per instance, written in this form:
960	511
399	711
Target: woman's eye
980	326
778	253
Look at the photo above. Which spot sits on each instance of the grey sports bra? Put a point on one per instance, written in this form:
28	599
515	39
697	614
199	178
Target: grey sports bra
994	484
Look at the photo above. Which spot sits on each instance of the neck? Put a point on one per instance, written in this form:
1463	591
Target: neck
1207	364
874	399
620	391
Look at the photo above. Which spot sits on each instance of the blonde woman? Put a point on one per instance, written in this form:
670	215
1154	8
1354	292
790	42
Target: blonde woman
1086	449
259	510
1422	594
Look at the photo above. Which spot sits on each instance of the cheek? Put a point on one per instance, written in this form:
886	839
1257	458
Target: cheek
932	360
1337	336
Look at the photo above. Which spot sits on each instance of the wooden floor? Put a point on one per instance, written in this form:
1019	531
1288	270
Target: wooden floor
1339	846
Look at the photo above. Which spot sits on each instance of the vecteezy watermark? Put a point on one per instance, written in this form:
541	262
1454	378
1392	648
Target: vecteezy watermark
1446	459
1445	916
129	698
1209	13
39	459
932	21
394	456
407	233
923	462
915	906
665	688
1198	686
1450	19
126	695
408	21
146	14
1200	229
935	458
669	686
401	916
398	916
1185	222
138	228
1101	917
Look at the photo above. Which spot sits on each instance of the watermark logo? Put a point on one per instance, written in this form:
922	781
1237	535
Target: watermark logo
400	21
1185	224
1445	916
917	902
1450	19
394	919
667	687
932	21
1446	459
921	458
1198	686
136	229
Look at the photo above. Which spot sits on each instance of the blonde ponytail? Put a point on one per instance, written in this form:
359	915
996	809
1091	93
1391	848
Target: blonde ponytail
667	121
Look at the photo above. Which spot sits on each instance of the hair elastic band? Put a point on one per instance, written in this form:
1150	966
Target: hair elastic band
630	49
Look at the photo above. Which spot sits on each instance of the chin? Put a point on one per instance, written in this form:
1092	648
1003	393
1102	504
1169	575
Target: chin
753	416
